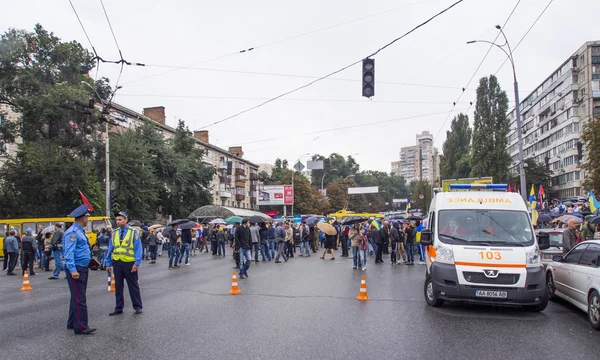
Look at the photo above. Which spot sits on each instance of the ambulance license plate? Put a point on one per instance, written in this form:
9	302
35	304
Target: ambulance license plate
491	294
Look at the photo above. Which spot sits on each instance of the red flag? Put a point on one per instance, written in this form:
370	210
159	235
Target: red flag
85	201
542	193
509	188
516	188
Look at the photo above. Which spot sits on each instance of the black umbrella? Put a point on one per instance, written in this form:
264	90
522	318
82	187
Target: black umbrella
414	218
353	220
167	230
544	218
135	223
312	221
178	222
595	220
187	225
256	219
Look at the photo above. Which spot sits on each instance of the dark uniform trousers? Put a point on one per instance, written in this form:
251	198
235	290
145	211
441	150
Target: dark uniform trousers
78	315
122	271
27	259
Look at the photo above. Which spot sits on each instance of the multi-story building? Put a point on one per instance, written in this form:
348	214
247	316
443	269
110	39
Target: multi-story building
553	117
235	181
396	168
421	161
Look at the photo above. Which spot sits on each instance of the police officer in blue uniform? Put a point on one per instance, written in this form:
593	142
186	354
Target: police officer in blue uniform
125	253
77	254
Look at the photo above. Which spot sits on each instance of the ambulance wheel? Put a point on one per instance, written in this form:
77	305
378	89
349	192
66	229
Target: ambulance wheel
430	296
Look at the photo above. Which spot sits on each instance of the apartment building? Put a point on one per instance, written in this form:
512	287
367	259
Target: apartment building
421	161
553	117
396	168
235	181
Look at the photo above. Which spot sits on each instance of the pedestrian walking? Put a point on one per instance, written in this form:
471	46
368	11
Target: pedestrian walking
186	244
244	244
289	240
28	250
125	253
570	236
314	238
144	236
394	241
160	242
77	258
363	247
353	233
271	239
213	239
57	246
329	246
255	235
410	241
152	245
173	248
305	235
280	239
264	244
39	238
343	235
378	240
11	249
48	253
102	242
221	239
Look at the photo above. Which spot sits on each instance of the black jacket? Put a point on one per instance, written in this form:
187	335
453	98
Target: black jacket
377	237
394	235
173	237
243	239
186	236
385	235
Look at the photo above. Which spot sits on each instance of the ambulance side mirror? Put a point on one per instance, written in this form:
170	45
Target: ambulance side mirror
426	237
543	241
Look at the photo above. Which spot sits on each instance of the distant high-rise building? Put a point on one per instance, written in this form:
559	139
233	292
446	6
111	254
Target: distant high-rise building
421	161
396	168
553	117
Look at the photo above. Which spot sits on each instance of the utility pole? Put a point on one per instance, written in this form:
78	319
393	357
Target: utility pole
107	170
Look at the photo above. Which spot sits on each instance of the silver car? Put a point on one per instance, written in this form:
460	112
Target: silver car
575	277
556	245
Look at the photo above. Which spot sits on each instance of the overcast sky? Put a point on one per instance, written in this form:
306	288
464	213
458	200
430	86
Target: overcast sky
433	63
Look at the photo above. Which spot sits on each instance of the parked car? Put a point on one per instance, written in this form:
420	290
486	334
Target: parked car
556	245
575	277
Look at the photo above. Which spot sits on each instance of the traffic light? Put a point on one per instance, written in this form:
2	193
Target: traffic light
368	77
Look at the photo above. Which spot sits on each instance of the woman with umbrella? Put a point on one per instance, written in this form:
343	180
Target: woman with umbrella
330	238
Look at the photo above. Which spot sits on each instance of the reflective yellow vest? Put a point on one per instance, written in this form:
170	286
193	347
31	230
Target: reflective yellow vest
123	251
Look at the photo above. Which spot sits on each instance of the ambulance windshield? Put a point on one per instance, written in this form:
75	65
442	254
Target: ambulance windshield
494	227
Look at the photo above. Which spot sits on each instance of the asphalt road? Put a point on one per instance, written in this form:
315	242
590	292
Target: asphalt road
303	309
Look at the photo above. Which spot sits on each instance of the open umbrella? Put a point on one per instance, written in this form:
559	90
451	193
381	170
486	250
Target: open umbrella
218	222
48	229
327	228
167	230
414	218
155	226
595	220
256	219
567	203
178	222
565	219
353	220
187	225
544	218
134	223
312	221
232	220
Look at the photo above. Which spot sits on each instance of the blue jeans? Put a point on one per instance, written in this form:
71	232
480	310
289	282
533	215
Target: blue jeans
421	252
305	247
185	250
264	250
174	255
272	248
58	263
256	247
42	258
102	255
221	247
355	258
410	252
363	257
245	259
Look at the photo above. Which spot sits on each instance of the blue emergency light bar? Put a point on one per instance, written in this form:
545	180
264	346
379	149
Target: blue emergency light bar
492	187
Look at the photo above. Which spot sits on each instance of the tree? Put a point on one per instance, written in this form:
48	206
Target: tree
335	166
489	154
591	139
422	188
536	174
457	148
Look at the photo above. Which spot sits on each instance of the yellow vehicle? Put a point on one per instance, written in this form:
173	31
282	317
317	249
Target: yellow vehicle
340	215
95	224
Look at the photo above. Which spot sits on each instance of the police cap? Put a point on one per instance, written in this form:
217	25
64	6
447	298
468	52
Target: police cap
82	210
123	214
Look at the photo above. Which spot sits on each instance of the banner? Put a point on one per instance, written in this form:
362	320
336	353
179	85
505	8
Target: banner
275	195
363	190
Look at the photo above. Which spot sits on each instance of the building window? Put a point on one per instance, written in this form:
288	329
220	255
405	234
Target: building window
595	59
596	110
577	175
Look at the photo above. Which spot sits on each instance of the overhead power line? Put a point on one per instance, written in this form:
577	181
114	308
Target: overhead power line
277	41
339	70
475	73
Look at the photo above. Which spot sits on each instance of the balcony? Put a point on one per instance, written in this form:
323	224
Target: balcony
240	171
253	199
240	178
253	176
224	194
240	183
596	94
223	165
252	187
240	197
225	179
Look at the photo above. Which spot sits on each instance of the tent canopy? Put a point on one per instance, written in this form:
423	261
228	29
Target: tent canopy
223	212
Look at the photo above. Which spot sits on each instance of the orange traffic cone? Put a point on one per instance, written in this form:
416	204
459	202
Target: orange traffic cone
111	282
26	286
234	285
362	294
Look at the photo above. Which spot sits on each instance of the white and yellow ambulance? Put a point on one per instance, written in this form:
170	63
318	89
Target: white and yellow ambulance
481	248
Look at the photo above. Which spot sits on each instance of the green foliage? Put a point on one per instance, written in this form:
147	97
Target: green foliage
591	139
339	167
489	154
457	148
535	174
421	188
43	179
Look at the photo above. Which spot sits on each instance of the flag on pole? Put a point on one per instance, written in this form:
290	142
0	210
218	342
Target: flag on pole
533	205
541	197
85	201
516	188
594	205
509	188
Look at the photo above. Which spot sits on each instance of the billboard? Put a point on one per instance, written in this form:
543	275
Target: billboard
363	190
481	180
275	195
314	165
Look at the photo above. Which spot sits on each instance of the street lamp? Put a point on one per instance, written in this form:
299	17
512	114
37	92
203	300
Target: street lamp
293	172
323	178
509	54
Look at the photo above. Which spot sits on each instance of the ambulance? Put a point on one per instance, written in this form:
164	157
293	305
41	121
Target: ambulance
481	248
